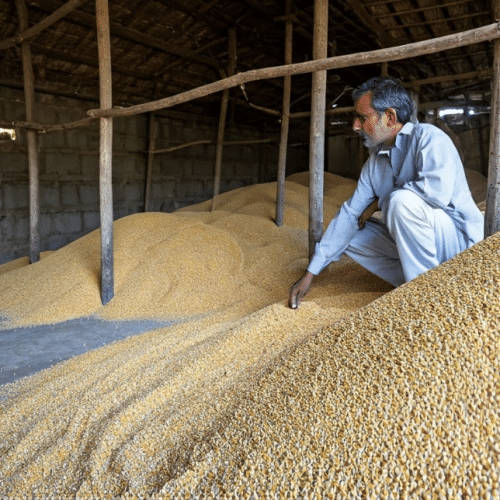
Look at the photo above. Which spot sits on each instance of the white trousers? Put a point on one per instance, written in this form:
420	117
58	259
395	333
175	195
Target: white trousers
415	238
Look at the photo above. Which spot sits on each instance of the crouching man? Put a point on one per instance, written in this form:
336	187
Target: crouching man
414	175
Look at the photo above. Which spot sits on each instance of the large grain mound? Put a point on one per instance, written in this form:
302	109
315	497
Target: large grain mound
400	400
243	397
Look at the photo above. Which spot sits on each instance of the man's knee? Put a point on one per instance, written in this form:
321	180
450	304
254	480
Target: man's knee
405	206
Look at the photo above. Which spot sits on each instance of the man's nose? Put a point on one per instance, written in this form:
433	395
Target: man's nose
356	124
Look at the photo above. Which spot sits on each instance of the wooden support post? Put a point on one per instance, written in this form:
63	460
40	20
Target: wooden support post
317	133
222	117
492	214
285	119
32	135
151	153
105	152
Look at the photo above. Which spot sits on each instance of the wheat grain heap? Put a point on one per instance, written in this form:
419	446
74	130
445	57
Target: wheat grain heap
359	393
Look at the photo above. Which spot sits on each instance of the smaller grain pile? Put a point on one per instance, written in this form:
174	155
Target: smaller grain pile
182	265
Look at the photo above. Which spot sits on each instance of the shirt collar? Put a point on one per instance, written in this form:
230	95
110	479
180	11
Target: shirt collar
405	130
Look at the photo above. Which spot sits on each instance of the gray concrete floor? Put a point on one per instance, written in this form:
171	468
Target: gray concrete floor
25	351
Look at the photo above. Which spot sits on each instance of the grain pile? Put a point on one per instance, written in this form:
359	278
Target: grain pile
245	397
182	265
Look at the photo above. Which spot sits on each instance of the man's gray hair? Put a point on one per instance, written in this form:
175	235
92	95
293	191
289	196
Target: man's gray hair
387	92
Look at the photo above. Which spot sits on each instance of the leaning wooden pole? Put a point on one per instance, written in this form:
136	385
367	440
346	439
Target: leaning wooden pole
105	152
220	145
492	214
27	33
32	136
448	42
317	132
222	117
285	119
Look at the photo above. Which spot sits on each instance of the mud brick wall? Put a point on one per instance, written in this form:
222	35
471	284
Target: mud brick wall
69	169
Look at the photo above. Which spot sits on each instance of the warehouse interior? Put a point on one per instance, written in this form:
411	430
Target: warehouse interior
158	165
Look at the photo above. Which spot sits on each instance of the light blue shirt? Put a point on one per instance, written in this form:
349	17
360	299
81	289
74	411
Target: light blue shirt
423	160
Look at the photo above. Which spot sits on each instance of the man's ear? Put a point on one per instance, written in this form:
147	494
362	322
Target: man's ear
392	117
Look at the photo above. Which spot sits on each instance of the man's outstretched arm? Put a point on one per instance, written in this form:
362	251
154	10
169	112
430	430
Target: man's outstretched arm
299	290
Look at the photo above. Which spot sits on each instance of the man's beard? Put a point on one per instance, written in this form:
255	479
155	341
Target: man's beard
367	141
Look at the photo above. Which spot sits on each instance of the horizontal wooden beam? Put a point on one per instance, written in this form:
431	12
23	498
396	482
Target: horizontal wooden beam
436	7
486	73
437	21
208	141
482	73
485	33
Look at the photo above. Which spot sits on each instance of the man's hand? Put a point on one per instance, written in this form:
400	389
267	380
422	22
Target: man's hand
367	213
299	290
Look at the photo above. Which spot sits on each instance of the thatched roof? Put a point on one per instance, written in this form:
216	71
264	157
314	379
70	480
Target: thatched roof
165	47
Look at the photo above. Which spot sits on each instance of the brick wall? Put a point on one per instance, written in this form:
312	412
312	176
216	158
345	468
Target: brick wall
69	169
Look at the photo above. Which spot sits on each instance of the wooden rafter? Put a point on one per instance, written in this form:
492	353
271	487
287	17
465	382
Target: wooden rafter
360	10
28	33
130	34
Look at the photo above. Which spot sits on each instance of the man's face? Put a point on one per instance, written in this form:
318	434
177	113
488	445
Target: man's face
372	127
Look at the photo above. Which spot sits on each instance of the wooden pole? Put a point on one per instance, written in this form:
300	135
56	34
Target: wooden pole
285	119
151	153
105	152
492	214
222	118
317	132
32	135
